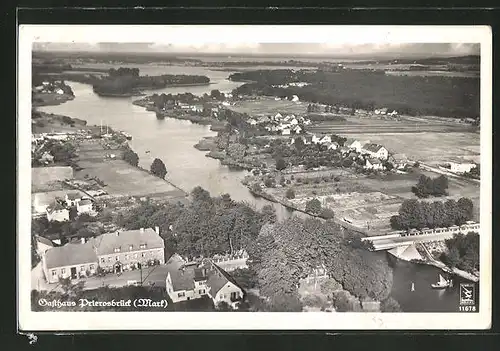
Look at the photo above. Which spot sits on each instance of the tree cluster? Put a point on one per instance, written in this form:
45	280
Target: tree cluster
438	214
158	168
428	186
206	226
130	157
463	252
294	247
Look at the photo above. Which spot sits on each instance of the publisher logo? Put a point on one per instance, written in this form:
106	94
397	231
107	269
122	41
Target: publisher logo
467	294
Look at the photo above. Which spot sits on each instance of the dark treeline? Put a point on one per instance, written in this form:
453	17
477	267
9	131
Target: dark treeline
411	95
428	186
463	252
128	81
437	214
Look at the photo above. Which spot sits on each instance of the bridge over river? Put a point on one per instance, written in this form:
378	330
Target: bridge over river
402	244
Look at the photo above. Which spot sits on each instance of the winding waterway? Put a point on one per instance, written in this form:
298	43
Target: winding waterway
172	141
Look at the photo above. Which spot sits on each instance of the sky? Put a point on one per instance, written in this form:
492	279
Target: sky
285	49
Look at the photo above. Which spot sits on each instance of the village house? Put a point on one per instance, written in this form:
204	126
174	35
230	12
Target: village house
72	199
381	111
297	129
185	282
331	145
295	98
223	287
252	122
69	261
375	150
353	144
57	213
374	164
315	139
285	131
84	206
461	167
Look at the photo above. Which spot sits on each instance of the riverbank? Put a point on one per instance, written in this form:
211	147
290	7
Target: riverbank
179	115
431	261
50	99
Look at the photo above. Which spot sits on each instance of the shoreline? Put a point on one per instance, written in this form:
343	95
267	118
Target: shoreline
126	144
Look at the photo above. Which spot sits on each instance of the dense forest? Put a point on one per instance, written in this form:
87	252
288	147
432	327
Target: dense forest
412	95
463	252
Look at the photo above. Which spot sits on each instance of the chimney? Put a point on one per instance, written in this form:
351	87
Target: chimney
157	230
142	230
82	240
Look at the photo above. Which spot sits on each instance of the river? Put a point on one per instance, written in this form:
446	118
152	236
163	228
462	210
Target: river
173	141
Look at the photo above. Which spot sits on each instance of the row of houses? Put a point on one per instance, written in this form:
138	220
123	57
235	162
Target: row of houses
113	252
284	125
121	251
371	149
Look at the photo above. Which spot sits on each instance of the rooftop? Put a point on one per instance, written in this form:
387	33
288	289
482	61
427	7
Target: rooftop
70	255
130	240
85	202
372	147
349	141
74	196
55	206
44	241
182	278
217	278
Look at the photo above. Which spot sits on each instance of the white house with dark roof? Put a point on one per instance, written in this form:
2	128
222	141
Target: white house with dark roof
223	287
375	150
72	198
185	282
69	261
353	144
57	213
84	206
374	164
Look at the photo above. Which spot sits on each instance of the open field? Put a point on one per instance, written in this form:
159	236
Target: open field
120	177
370	126
269	106
430	148
367	202
49	178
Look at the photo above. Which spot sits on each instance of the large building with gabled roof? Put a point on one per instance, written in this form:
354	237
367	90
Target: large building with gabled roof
112	252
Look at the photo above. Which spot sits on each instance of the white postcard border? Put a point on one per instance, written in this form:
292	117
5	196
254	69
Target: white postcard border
74	321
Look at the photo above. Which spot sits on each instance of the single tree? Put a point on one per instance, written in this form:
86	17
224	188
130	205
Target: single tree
290	193
313	206
158	168
280	164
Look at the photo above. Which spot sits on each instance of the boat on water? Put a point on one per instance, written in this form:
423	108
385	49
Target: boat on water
412	286
442	283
